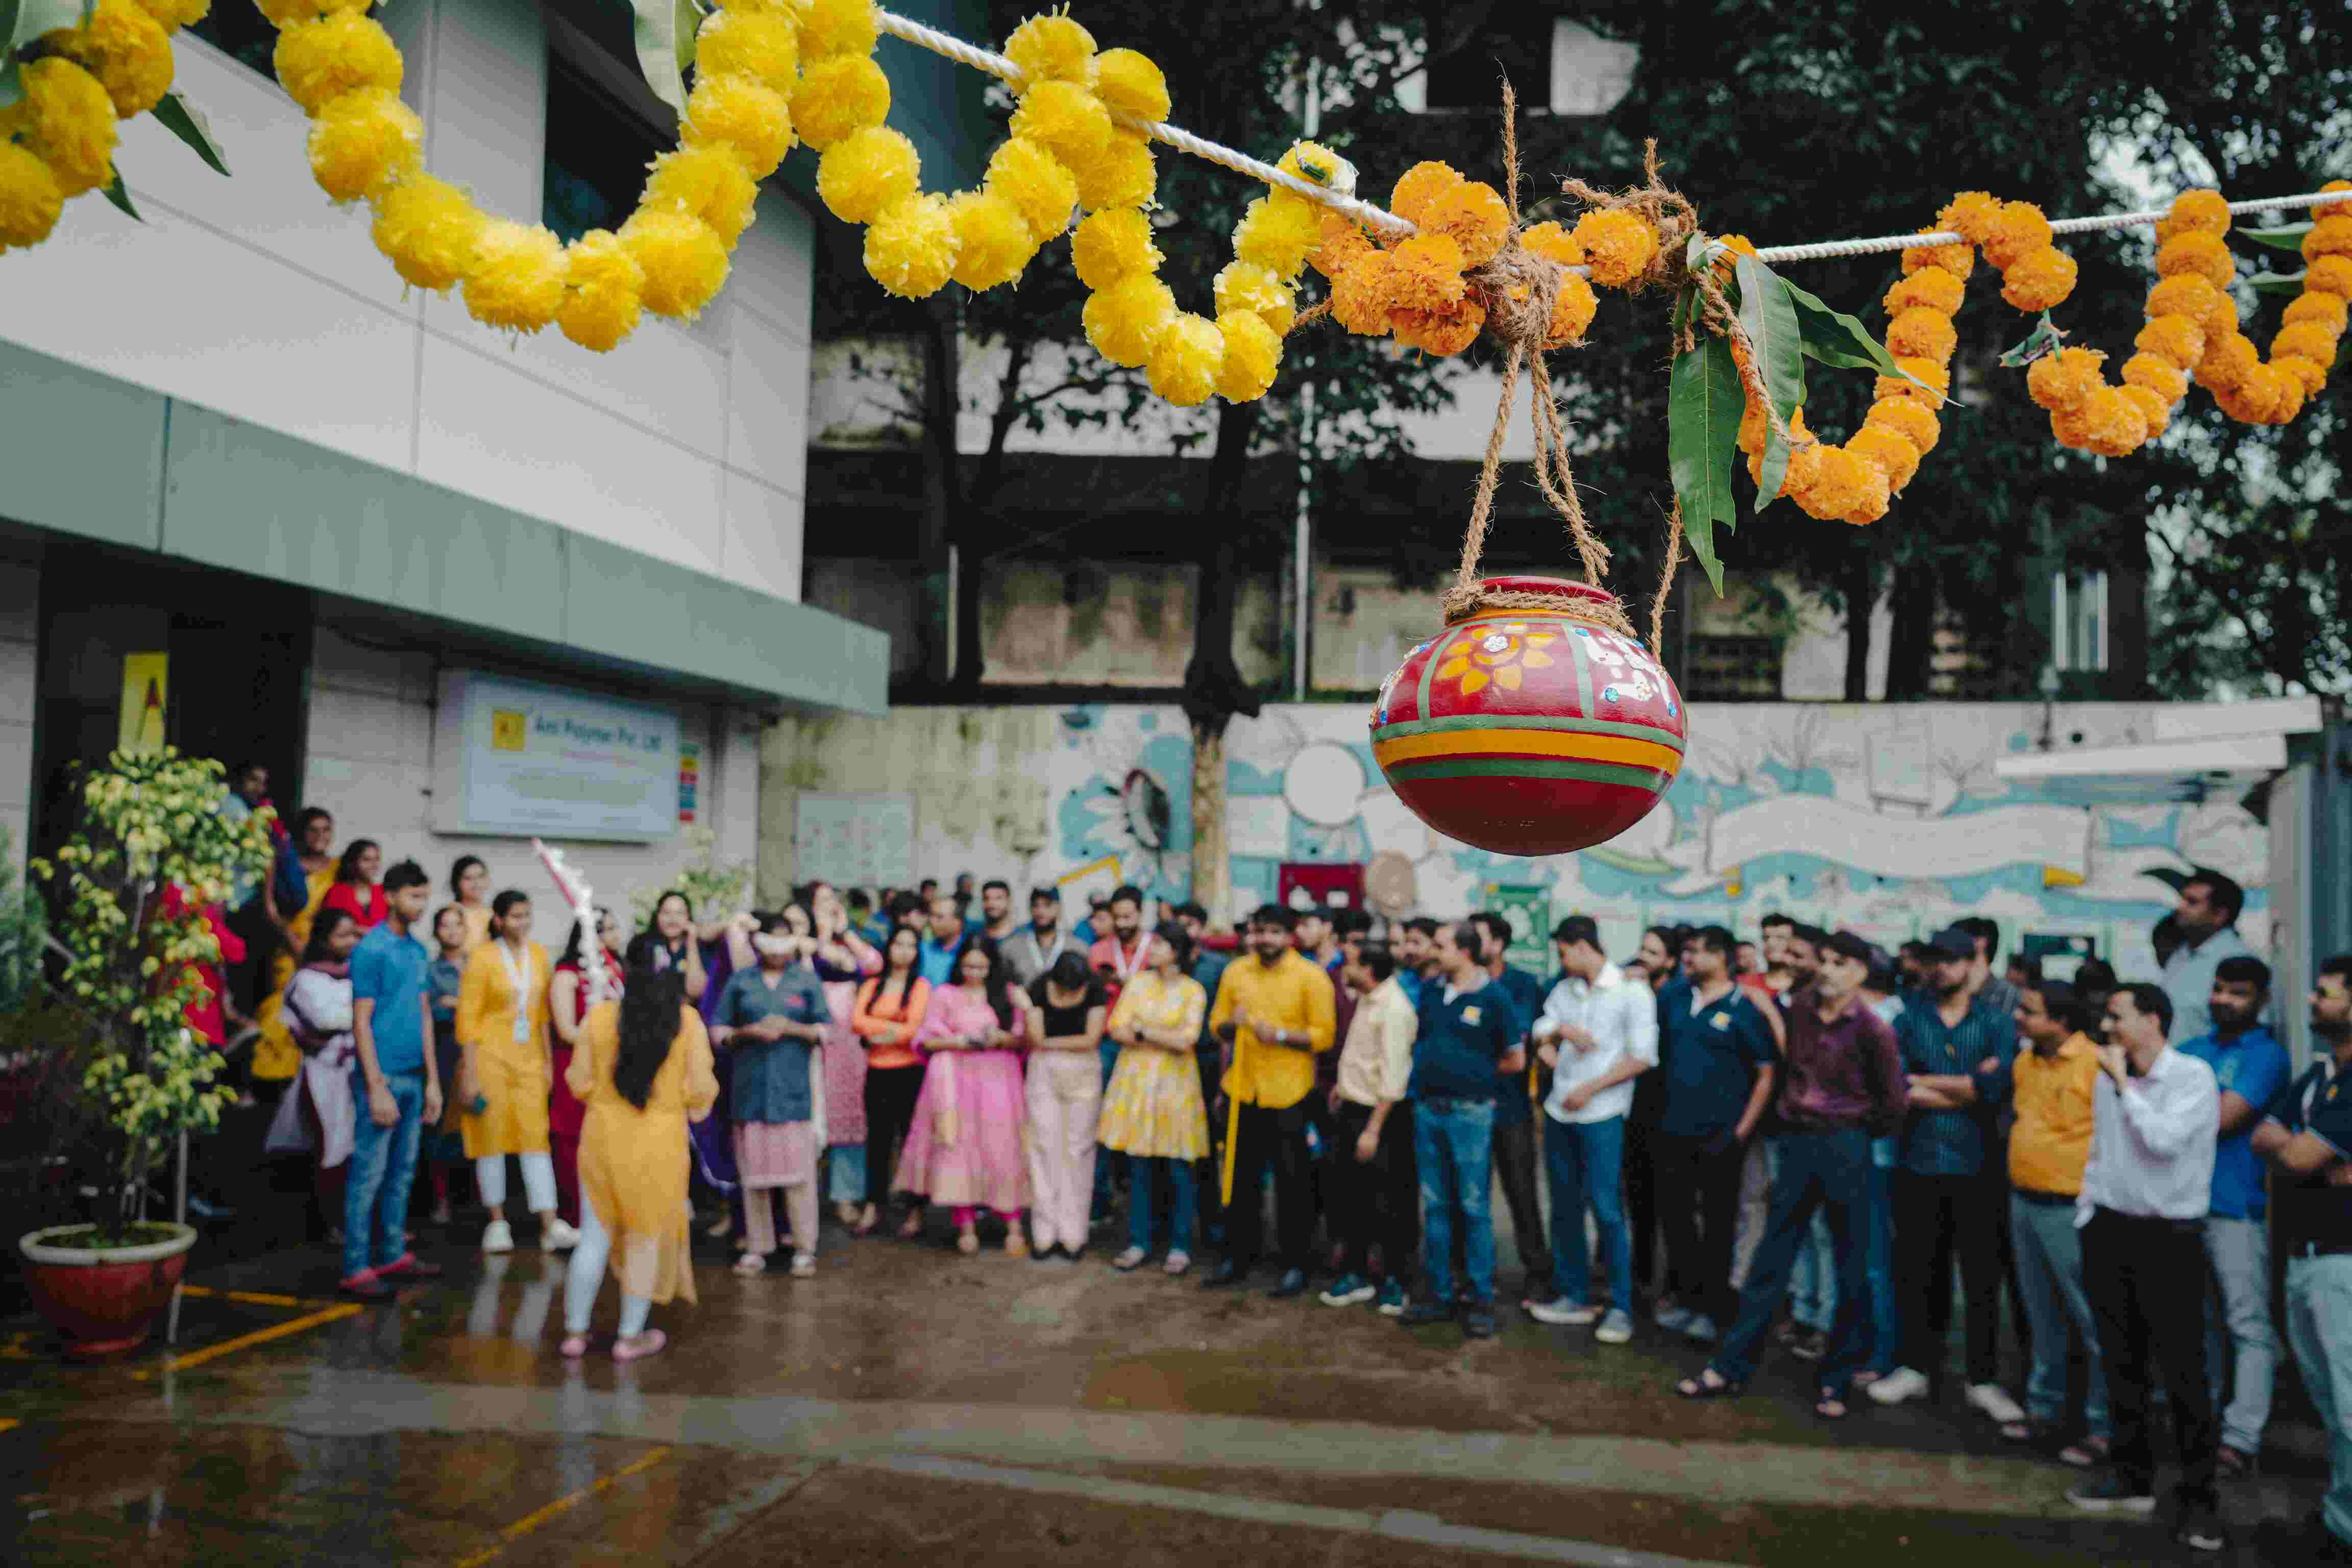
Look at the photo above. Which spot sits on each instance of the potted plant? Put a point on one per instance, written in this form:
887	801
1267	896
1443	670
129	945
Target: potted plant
129	890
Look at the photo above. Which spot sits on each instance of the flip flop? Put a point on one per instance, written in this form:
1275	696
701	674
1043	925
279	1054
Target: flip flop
655	1342
574	1346
1700	1388
1827	1406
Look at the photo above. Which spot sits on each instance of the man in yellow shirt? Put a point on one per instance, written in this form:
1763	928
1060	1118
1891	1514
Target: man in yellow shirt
2052	1087
1275	1011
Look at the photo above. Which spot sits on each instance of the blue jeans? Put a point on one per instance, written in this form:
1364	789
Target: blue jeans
1830	1171
2049	1252
2241	1349
1144	1176
845	1173
383	1164
1813	1284
1453	1144
1885	1316
1584	1162
2319	1328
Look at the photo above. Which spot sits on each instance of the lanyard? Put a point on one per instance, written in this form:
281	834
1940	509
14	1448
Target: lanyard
521	974
1131	964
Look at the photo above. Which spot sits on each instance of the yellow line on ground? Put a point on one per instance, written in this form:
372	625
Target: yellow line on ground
256	1297
530	1521
258	1337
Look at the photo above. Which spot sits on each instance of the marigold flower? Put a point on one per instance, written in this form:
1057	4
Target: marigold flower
2040	280
2106	423
2195	211
1895	456
515	278
1930	288
2192	294
602	286
753	122
1033	180
173	14
1124	322
685	261
2328	309
2332	209
130	54
761	44
705	182
322	60
1131	83
2228	360
1804	458
285	14
1473	217
2158	374
1051	48
1752	427
1343	243
1121	172
835	98
1551	239
1440	332
910	250
1427	275
2307	340
1186	359
1907	418
428	228
364	140
1841	484
1279	235
2290	394
1971	213
1419	186
867	172
1111	246
1318	165
2020	229
2309	373
2060	381
1067	119
1619	245
2329	275
68	121
2197	252
1246	287
2177	339
1572	310
1959	260
2257	399
1360	296
2154	407
1253	355
992	241
1922	333
30	197
1938	382
831	28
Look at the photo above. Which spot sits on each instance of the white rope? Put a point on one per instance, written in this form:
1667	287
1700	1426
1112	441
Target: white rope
1374	217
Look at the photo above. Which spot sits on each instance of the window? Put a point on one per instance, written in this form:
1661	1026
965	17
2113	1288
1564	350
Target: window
597	152
1732	669
1562	66
240	31
2078	620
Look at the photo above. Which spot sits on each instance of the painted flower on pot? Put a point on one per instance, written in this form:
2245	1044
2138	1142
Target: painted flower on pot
1501	656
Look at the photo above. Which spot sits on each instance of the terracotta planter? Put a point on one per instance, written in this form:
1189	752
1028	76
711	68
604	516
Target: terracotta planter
103	1301
1530	731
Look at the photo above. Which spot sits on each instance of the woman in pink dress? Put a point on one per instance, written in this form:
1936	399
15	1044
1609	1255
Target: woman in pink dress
965	1148
842	958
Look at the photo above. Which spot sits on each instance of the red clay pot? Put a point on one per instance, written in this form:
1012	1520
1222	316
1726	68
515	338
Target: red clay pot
1530	731
103	1301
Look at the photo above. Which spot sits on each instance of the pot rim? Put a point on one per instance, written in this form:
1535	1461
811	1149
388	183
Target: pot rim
36	1251
1569	591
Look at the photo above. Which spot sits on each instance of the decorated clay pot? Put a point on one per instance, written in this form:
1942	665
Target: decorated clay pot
1530	731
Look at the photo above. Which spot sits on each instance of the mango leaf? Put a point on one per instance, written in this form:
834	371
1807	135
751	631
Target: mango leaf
12	83
32	18
1834	338
1703	408
2288	238
1769	317
2042	340
120	194
2275	283
187	122
665	34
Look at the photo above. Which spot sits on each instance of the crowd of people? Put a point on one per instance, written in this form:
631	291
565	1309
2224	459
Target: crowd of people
1791	1144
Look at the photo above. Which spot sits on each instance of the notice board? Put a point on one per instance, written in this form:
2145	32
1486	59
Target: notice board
853	841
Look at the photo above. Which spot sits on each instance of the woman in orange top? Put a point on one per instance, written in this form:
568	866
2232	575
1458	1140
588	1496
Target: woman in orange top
888	1011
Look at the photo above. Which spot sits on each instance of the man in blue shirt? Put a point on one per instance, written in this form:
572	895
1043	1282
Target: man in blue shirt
2205	922
1416	942
1514	1128
1717	1056
396	1085
1468	1045
942	939
1957	1052
2251	1067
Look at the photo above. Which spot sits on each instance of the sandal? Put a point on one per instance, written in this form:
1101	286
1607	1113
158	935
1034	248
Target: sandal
1827	1406
868	1222
1177	1262
650	1342
2087	1454
1128	1260
967	1242
1015	1244
751	1263
911	1228
574	1346
1709	1384
2022	1431
803	1265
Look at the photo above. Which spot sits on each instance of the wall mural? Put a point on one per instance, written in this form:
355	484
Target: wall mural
1889	820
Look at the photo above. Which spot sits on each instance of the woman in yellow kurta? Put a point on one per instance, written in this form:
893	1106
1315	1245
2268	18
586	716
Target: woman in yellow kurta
504	1075
1154	1110
643	1066
276	1057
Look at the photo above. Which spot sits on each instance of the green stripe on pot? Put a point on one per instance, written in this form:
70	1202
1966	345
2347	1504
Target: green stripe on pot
1428	668
1527	767
1566	722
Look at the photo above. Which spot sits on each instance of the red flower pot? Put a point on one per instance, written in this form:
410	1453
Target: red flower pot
103	1301
1530	731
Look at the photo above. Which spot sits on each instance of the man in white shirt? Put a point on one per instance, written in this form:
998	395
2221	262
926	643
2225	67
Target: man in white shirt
1372	1193
1598	1032
2156	1117
2207	921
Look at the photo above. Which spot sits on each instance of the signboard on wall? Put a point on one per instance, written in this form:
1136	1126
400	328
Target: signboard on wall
514	757
146	698
1528	909
853	841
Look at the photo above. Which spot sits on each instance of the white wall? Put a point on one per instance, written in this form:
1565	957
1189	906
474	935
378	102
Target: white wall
256	296
20	631
370	764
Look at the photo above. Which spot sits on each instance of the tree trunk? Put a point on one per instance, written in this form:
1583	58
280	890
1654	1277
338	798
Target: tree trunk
1861	598
1911	641
1213	688
1212	866
940	410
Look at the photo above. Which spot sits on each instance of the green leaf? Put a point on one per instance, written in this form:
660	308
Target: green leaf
187	122
2042	340
665	34
12	81
2288	238
2276	283
1703	408
1834	338
120	195
1769	317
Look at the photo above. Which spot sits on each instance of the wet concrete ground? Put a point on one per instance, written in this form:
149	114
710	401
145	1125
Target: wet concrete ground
910	1405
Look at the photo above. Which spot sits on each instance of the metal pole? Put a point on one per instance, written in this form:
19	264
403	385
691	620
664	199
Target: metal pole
1302	571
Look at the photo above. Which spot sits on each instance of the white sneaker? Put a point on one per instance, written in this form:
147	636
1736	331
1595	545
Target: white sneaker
499	1237
1563	1310
1615	1328
1994	1401
1904	1383
559	1237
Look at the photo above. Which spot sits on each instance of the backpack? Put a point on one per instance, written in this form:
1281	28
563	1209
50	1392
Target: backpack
290	885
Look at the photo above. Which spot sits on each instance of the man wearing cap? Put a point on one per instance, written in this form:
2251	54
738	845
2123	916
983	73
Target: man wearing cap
2206	923
1941	1206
